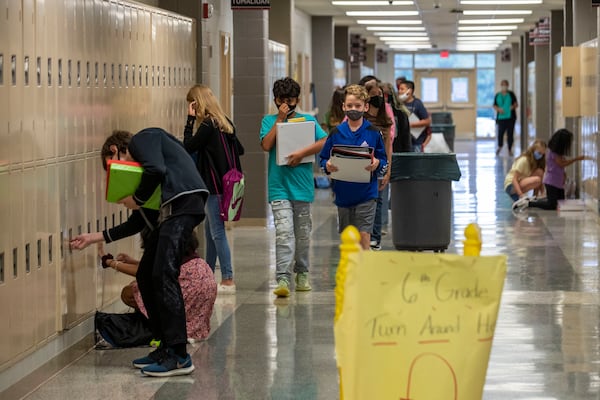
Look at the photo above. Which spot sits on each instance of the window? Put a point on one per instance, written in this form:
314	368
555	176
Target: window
428	61
486	60
403	61
459	90
430	91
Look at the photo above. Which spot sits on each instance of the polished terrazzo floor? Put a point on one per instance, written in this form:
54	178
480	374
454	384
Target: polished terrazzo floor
547	339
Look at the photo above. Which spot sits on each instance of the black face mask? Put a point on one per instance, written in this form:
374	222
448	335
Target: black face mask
376	101
292	110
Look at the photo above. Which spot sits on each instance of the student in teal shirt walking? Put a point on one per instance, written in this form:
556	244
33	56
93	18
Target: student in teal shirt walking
505	105
291	190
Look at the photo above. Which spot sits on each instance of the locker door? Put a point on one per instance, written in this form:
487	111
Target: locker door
4	90
61	85
15	81
51	257
38	80
15	279
29	141
30	313
5	287
50	79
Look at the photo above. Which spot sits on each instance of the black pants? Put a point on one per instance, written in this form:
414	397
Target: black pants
158	278
508	126
553	195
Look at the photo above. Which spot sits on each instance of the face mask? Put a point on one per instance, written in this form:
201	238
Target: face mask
403	96
354	115
537	155
376	101
504	88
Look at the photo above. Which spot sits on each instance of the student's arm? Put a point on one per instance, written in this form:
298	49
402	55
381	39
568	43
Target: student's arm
565	162
516	184
268	141
421	112
198	141
297	156
124	267
325	154
379	162
495	106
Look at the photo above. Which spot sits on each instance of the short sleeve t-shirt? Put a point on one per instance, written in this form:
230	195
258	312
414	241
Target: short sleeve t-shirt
521	165
290	183
555	174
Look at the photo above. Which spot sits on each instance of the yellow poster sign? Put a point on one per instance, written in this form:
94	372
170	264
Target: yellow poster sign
416	326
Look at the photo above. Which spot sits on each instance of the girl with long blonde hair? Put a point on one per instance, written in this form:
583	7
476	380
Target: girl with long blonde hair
526	174
215	146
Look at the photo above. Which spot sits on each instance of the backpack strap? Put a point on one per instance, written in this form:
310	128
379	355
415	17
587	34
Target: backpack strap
230	155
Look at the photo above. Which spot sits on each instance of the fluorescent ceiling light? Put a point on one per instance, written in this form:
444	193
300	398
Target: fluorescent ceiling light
409	46
382	13
476	48
400	34
497	12
490	38
491	21
499	2
389	22
372	3
488	28
484	33
403	39
478	44
398	28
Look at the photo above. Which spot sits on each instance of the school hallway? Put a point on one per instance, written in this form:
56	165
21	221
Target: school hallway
546	346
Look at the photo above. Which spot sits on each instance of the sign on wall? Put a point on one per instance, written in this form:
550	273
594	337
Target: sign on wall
250	4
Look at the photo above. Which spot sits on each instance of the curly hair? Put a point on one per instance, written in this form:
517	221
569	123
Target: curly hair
118	138
286	88
357	91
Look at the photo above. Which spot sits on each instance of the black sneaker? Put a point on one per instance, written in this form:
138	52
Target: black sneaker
154	357
170	365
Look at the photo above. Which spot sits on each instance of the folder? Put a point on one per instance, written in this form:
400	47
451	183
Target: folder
293	136
417	130
122	180
351	162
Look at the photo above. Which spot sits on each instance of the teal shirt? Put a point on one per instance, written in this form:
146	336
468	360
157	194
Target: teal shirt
504	101
290	183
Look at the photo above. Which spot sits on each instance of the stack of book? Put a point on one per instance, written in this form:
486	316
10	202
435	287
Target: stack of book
351	162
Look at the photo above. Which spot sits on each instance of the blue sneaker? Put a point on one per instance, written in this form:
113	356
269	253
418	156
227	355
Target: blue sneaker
154	357
170	365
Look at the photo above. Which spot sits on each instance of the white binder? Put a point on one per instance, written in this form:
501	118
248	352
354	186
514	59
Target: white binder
293	136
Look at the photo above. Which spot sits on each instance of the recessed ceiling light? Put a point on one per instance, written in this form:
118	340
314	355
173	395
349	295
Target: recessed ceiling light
372	3
499	2
484	33
389	22
489	28
382	13
491	21
404	39
397	28
497	12
400	34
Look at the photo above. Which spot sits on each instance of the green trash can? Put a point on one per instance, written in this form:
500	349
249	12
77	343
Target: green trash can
421	200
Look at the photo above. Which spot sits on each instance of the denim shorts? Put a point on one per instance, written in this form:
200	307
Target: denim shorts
511	192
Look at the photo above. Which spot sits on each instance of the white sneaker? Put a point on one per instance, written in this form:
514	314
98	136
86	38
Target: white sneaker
226	289
521	204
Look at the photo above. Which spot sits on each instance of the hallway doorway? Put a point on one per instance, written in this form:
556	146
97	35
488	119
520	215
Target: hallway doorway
450	90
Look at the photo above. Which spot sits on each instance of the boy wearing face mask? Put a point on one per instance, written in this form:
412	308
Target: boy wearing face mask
356	202
505	104
291	190
415	106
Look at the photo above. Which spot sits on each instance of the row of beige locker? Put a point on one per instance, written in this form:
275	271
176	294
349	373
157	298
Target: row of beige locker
46	287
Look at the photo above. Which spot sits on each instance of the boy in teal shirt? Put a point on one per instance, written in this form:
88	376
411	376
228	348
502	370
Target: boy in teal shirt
291	190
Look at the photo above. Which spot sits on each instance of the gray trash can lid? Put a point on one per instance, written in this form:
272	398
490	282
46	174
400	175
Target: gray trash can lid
425	166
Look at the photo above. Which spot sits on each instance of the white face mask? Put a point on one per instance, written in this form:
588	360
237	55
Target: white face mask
403	97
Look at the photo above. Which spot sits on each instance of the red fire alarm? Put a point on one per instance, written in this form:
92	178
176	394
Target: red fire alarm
207	10
444	54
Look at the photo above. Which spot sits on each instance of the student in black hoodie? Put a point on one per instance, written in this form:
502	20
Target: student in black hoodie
166	163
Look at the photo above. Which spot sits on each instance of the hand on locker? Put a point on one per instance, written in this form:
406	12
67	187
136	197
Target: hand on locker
82	241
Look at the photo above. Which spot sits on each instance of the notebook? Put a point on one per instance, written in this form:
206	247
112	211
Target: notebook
293	136
351	162
122	180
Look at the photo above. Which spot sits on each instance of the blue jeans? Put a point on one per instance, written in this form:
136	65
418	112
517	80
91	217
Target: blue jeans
292	237
216	239
381	214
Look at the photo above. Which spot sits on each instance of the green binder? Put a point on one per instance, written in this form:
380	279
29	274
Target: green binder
122	180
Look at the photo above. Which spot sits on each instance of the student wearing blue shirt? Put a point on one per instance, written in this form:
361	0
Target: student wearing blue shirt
505	105
356	202
291	190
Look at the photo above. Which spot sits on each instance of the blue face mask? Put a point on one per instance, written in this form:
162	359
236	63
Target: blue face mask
537	155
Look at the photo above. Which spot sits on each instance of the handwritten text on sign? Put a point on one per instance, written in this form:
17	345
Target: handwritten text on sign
412	319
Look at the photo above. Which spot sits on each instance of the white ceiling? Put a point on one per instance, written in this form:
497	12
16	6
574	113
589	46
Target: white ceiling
439	17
